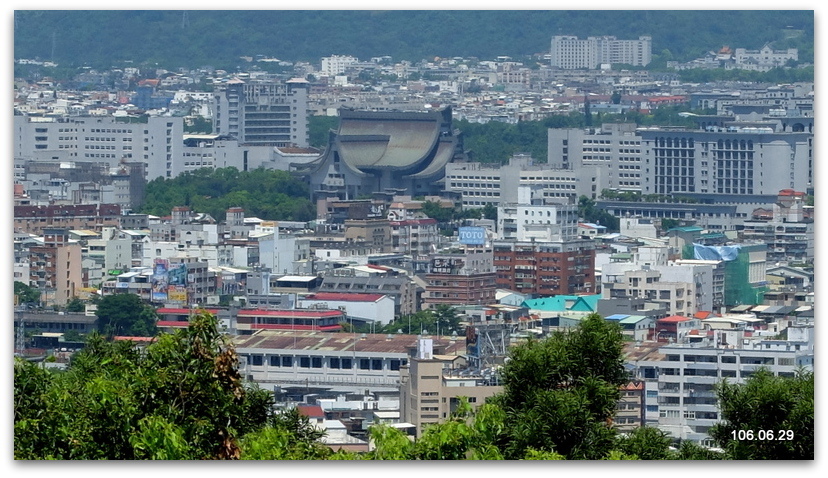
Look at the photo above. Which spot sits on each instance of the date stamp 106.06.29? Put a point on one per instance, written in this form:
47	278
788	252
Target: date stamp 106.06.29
762	435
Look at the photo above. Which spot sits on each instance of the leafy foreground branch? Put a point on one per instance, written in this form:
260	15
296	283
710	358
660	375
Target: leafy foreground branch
182	398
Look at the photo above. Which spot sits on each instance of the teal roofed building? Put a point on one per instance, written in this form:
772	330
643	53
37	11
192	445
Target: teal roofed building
562	311
636	327
565	303
686	229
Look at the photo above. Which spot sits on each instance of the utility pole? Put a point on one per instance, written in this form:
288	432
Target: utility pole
20	339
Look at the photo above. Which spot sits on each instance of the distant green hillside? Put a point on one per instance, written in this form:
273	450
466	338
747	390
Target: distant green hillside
173	38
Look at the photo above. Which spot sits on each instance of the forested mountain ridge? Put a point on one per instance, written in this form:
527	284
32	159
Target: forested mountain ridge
196	38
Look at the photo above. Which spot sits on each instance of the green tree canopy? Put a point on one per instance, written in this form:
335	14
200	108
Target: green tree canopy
490	211
589	212
25	293
443	320
767	417
198	125
75	305
126	314
560	392
268	194
181	398
437	212
646	443
318	129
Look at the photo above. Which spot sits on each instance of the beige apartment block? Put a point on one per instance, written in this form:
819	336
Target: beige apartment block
431	387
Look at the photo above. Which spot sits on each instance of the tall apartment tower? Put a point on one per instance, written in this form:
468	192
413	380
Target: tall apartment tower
570	53
263	113
55	267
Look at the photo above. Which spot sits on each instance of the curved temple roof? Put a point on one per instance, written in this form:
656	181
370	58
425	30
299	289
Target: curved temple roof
381	149
398	141
445	152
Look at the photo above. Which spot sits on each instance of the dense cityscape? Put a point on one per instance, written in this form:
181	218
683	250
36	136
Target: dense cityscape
327	225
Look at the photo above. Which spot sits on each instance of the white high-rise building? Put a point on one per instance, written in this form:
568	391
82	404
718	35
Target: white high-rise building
614	150
532	218
735	161
481	184
570	53
336	64
580	163
156	143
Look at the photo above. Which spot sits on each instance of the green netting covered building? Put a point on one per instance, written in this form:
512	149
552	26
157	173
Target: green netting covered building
744	270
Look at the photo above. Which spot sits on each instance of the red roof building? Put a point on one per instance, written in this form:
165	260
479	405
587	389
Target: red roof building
675	328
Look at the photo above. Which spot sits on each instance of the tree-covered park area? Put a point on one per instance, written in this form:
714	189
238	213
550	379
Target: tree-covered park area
182	398
263	193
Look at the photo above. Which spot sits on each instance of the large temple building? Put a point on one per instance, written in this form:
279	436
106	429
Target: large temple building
373	151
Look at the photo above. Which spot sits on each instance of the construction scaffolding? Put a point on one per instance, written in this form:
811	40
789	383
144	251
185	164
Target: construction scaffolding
487	344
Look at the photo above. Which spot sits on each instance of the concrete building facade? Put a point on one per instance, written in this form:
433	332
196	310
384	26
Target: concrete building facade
680	397
373	151
614	150
55	267
429	392
336	64
35	219
480	185
398	286
746	161
156	143
263	113
372	361
532	218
